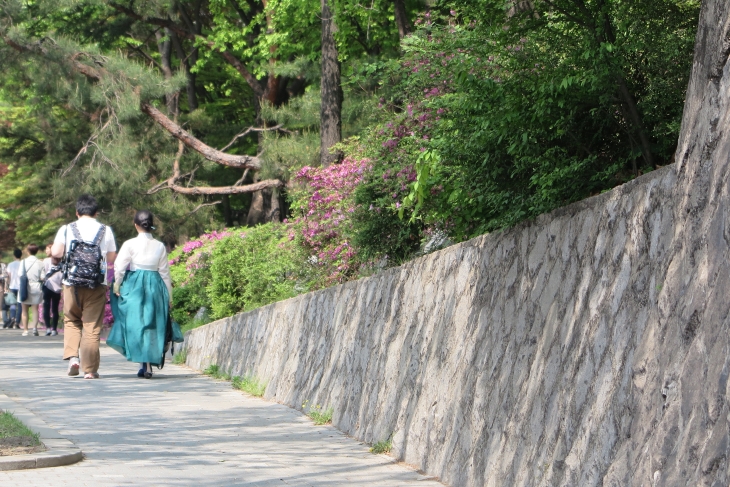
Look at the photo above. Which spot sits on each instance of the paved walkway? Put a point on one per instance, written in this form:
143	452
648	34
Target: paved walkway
178	429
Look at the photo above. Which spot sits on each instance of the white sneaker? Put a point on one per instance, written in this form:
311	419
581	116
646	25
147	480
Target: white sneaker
73	366
24	334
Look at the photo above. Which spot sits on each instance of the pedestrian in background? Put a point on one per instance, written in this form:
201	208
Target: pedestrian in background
3	293
14	284
32	268
88	246
141	298
51	294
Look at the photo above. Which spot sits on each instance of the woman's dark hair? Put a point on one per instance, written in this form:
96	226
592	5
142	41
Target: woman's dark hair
86	205
18	253
143	218
32	249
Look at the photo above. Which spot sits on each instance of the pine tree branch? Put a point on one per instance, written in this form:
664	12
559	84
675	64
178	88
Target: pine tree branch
171	183
221	190
88	71
210	153
214	155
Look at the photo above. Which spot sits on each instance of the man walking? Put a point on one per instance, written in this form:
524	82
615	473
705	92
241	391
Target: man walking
88	246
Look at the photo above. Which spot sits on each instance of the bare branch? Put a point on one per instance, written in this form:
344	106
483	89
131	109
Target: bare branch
204	205
243	178
146	56
253	129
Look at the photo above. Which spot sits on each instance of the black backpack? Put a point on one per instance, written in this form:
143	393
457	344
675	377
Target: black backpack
82	265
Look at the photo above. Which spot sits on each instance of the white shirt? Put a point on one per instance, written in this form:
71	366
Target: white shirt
143	253
54	282
88	227
33	267
14	271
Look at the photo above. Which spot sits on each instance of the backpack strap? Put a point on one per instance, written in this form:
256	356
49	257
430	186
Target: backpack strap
99	236
75	231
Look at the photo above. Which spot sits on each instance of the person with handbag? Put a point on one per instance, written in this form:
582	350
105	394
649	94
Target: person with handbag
142	298
51	293
3	290
11	298
30	290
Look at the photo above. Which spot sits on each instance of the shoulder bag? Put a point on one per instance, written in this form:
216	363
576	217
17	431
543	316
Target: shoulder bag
23	288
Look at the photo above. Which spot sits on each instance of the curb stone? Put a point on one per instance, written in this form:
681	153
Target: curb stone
60	451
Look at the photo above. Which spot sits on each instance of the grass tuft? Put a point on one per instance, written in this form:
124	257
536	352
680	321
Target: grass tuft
10	426
382	446
213	370
249	385
180	357
318	414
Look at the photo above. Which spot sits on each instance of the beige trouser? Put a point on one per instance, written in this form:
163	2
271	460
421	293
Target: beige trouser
83	309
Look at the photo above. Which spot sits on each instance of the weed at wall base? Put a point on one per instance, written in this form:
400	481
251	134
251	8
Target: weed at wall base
317	413
248	384
382	446
180	357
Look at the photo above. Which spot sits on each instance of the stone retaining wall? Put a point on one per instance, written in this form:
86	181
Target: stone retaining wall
589	347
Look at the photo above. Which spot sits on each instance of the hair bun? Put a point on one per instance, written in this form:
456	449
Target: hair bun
144	219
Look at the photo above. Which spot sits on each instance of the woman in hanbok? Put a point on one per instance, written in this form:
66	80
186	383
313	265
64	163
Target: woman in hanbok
142	298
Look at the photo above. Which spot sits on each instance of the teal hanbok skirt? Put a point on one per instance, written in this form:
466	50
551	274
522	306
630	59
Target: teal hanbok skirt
140	317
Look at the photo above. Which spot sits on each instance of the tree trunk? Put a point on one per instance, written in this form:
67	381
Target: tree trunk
275	207
256	214
401	19
226	206
635	119
186	63
164	46
331	91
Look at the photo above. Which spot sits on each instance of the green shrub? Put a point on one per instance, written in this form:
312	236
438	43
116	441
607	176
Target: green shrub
252	269
187	300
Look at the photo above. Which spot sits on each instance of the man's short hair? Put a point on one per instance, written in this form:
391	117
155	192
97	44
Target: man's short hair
86	205
18	253
32	249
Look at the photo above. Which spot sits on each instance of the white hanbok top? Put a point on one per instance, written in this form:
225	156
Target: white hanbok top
143	253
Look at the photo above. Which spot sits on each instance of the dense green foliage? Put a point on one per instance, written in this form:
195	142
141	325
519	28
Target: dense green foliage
503	117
